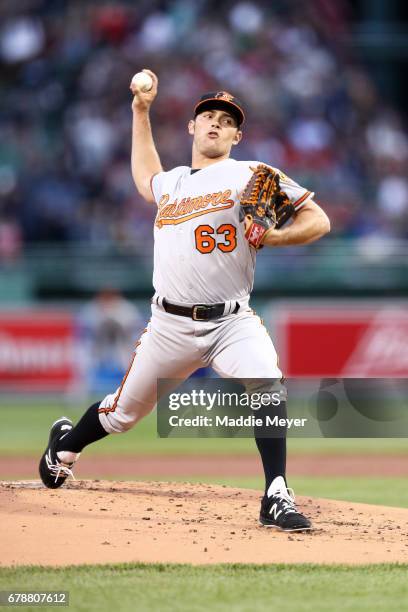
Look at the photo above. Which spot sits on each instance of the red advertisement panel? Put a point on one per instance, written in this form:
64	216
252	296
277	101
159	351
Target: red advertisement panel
36	350
343	341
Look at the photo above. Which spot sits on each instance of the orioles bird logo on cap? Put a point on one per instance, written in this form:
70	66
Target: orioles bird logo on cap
224	95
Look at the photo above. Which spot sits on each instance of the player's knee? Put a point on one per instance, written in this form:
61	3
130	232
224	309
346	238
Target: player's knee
268	396
264	385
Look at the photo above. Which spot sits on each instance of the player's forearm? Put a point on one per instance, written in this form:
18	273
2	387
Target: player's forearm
145	159
308	226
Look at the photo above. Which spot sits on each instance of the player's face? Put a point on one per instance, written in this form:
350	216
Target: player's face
215	132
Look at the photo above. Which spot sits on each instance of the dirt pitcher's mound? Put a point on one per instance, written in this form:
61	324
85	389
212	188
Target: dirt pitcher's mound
103	522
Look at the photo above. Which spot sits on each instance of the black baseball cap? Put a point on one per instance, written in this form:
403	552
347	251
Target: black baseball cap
221	100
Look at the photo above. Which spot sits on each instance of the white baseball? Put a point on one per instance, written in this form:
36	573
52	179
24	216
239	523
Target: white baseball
143	81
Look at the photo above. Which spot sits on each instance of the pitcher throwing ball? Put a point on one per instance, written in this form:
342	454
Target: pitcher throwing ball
212	218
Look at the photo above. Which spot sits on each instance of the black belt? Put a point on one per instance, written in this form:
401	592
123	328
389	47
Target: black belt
199	312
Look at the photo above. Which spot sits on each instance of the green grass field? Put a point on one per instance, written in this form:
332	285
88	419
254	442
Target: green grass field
244	588
24	430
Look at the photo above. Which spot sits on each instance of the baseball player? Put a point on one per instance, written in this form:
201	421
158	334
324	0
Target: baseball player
203	276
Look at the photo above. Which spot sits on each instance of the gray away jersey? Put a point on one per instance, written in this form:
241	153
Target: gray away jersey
201	255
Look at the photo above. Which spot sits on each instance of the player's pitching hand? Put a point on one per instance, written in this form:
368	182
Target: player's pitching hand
142	100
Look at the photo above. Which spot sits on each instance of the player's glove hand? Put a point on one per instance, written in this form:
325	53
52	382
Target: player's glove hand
263	205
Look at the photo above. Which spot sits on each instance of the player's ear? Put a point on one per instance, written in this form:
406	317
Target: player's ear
191	126
237	137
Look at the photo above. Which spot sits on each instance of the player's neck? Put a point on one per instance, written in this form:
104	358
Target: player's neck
199	161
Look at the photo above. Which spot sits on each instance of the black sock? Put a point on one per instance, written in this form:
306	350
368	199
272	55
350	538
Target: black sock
273	455
272	450
87	430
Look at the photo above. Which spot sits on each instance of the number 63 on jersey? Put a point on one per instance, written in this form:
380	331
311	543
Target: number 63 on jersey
206	238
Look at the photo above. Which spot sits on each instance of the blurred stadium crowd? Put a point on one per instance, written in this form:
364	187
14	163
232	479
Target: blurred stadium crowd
65	118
